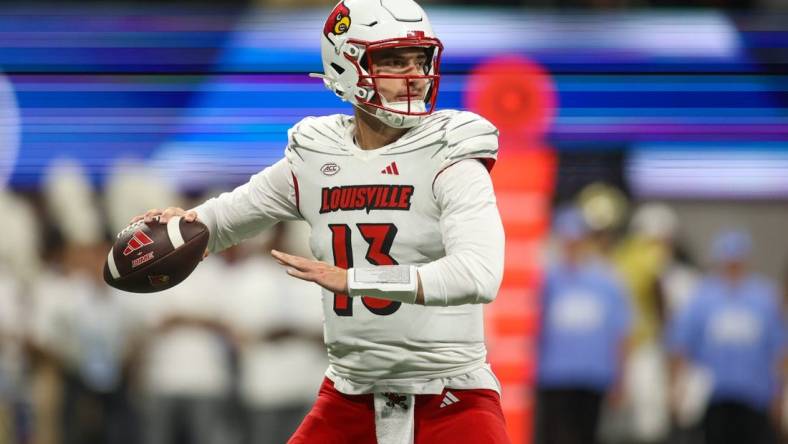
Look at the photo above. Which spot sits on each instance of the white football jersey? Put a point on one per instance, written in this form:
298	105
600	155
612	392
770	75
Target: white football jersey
379	207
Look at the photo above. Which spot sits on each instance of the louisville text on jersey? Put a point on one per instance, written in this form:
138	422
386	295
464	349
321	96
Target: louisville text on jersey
366	197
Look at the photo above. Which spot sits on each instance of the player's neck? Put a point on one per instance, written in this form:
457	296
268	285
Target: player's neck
372	134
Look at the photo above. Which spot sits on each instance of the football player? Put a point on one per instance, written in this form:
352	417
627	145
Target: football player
406	232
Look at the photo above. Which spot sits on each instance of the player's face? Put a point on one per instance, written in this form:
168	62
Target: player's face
401	61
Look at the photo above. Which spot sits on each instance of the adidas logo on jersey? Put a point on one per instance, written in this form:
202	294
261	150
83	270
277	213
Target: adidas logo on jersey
449	399
391	169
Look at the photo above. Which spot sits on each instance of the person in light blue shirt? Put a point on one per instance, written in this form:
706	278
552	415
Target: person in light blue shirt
584	326
734	329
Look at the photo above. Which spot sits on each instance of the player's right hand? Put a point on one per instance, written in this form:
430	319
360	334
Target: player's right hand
165	215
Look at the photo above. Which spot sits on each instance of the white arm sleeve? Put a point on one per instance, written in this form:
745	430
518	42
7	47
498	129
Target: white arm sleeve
267	198
473	236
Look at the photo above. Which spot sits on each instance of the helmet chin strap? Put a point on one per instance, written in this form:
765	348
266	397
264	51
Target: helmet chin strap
396	120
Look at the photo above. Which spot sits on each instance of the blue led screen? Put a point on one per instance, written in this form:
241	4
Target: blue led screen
207	95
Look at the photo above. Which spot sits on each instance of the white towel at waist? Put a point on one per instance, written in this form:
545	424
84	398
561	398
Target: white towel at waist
394	423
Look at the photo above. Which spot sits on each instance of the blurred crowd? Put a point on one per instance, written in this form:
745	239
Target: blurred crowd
642	343
233	355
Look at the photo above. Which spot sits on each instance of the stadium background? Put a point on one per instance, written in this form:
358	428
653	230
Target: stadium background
685	104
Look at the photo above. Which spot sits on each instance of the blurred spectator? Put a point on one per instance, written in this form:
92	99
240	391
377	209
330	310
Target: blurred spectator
582	340
19	265
12	362
84	327
19	249
643	258
677	284
733	328
81	326
604	207
185	361
279	320
133	187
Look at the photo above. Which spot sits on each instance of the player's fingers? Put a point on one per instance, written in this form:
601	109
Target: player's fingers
150	214
287	259
297	262
190	216
299	274
280	262
170	212
165	216
280	258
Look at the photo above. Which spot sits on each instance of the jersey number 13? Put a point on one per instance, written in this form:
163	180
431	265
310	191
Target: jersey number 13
379	237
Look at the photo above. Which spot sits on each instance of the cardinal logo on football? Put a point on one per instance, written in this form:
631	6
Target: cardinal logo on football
158	280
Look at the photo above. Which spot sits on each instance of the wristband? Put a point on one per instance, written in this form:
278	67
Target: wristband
392	282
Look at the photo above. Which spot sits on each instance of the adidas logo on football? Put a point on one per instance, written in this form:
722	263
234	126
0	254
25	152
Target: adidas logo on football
449	399
391	169
137	241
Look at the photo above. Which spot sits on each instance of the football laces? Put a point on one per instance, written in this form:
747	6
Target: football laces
134	226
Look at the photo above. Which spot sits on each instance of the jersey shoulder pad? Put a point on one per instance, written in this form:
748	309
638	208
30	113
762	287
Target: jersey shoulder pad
449	136
470	136
429	135
321	135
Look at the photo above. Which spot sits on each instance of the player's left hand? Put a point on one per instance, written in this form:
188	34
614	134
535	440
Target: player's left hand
331	278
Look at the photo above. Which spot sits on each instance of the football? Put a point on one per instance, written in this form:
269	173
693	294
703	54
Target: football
149	257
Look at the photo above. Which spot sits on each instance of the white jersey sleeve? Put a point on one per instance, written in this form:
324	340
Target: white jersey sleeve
268	197
473	236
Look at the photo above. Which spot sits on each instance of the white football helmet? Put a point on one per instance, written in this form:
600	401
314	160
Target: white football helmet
356	29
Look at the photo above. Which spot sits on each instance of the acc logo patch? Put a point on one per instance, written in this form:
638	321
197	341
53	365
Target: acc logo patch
338	22
329	169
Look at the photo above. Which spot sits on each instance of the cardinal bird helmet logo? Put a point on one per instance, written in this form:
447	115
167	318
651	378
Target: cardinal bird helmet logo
338	22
